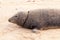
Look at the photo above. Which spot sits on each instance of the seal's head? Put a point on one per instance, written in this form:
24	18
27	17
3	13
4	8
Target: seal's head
19	18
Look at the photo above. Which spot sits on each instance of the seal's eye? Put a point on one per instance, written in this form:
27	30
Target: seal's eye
17	17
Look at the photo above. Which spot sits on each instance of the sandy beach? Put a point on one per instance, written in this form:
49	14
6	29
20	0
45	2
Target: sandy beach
10	31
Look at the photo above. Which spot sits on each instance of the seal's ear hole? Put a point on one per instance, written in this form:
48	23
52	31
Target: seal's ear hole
15	16
28	11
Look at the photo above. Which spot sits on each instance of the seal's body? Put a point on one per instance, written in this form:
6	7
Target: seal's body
37	19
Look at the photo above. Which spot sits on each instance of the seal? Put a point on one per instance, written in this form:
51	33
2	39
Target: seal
37	19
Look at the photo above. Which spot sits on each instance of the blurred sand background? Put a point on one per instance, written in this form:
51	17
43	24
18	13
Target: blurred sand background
9	31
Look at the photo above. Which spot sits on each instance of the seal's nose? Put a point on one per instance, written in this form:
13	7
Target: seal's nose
9	20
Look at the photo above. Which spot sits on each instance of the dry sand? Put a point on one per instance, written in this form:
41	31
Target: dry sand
9	31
